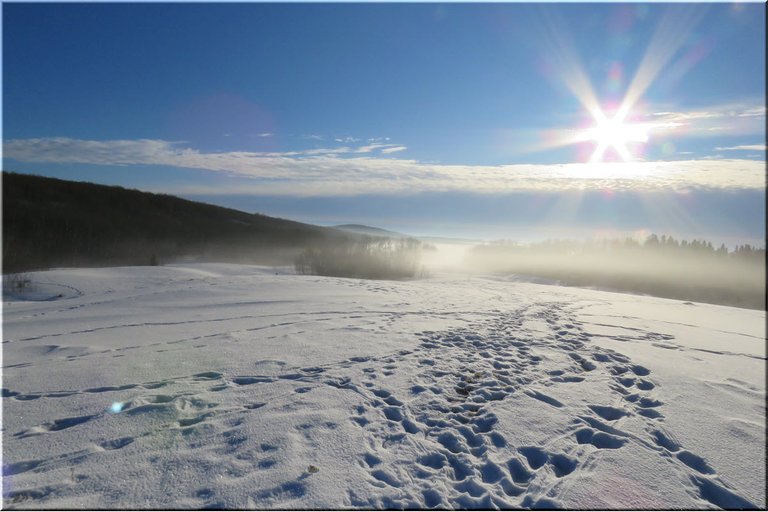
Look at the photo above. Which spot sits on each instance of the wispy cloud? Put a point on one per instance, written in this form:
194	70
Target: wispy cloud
393	149
735	119
753	112
373	147
351	171
744	147
347	139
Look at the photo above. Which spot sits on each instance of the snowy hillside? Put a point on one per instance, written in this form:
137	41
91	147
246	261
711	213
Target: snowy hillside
232	386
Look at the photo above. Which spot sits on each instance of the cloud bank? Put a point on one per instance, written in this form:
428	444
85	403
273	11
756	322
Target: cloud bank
369	169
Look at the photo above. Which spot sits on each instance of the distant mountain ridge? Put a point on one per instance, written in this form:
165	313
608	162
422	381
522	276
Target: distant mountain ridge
49	222
362	229
374	231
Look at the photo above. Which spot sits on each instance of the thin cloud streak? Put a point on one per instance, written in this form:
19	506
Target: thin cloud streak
735	119
355	171
744	147
394	149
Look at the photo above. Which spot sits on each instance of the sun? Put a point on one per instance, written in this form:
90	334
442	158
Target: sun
613	133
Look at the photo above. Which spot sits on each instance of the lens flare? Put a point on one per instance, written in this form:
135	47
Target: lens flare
620	133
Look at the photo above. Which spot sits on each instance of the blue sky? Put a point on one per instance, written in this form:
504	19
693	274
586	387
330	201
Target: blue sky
493	120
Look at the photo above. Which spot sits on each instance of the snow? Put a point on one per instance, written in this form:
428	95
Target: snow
232	386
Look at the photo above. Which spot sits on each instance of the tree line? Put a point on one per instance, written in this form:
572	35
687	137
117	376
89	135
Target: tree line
58	223
366	257
663	266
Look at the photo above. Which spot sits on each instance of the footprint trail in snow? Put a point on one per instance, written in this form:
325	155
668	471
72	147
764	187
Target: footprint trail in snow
519	407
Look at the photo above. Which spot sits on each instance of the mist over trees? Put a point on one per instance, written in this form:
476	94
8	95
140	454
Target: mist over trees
367	257
660	265
56	223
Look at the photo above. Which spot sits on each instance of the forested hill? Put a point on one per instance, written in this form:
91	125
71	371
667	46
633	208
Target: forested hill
51	222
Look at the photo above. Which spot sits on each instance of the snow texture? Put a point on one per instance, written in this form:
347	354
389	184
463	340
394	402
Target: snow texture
229	386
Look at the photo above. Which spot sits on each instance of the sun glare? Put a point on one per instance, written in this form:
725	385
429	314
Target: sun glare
615	137
614	134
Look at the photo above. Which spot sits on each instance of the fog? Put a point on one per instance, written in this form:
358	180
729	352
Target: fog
694	272
446	257
689	271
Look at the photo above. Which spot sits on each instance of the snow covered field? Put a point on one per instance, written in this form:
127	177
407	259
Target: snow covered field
212	385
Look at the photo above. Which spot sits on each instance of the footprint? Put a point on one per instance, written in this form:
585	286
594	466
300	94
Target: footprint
644	385
451	442
695	462
20	467
562	464
432	498
608	413
627	382
484	424
473	440
282	492
266	463
160	399
491	473
461	470
207	376
117	444
601	440
541	503
535	456
569	378
27	397
385	477
519	473
65	423
371	460
156	385
471	487
290	376
393	413
720	496
649	402
410	427
497	440
544	398
194	421
665	441
246	381
649	413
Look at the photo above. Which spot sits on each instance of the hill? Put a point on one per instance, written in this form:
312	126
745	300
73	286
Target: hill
50	222
362	229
